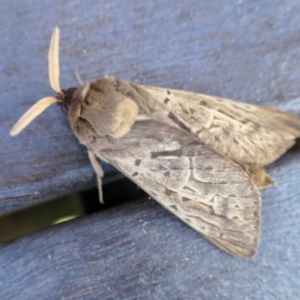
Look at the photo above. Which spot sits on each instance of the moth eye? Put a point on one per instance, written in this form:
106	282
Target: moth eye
69	93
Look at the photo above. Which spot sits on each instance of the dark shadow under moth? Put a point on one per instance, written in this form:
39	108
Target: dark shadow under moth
201	157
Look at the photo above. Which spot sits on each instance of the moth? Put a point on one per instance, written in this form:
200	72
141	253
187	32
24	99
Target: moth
199	156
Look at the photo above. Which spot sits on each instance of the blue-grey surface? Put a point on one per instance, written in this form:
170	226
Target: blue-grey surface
245	50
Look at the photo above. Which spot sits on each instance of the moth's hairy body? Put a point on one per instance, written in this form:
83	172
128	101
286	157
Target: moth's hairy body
201	157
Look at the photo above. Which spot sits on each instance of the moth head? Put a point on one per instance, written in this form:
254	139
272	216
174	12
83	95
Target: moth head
63	97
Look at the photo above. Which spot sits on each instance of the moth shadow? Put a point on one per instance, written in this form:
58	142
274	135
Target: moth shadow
295	149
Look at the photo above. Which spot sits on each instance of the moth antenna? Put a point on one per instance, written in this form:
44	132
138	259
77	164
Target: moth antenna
31	114
53	59
77	75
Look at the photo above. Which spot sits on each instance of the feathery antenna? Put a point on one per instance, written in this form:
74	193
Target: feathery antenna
44	103
31	114
53	58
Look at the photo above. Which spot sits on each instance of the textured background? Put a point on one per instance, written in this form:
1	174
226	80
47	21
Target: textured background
245	50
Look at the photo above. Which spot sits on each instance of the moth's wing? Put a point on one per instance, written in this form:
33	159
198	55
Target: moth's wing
203	188
246	133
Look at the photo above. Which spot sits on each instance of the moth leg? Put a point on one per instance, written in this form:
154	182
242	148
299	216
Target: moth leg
259	175
99	172
77	75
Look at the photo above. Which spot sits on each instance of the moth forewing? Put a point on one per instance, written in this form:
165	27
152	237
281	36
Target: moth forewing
244	132
203	188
